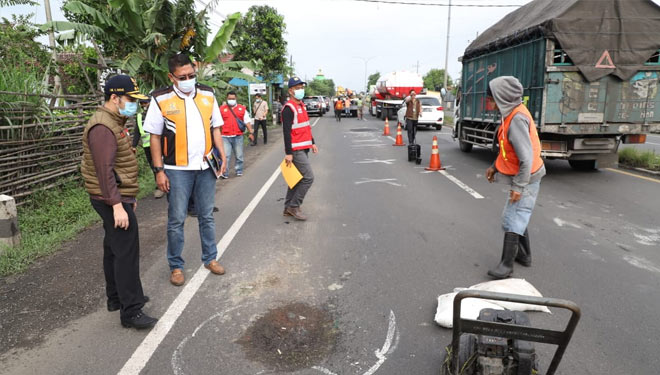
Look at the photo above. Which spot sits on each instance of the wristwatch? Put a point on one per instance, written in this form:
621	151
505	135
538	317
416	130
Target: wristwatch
157	169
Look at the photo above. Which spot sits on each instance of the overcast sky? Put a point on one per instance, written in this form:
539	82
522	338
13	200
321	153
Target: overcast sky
337	36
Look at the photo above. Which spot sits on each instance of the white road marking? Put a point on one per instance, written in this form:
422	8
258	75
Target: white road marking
393	140
642	263
463	186
323	370
365	140
560	223
146	349
380	354
374	161
369	145
389	181
316	122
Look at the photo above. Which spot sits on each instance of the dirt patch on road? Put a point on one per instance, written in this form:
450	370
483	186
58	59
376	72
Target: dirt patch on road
291	337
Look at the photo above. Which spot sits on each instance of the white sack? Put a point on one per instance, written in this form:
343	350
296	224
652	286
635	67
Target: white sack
471	307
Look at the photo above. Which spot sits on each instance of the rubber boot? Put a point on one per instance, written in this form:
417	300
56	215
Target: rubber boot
524	256
509	251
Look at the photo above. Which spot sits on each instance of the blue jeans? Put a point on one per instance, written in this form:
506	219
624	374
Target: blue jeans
200	185
515	217
234	144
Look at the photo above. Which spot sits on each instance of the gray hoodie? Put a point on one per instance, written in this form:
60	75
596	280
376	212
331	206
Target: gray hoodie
508	92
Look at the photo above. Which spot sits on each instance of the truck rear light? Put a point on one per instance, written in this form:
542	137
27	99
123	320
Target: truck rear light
440	108
553	146
634	138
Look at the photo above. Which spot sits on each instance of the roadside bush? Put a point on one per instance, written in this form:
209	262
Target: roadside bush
639	159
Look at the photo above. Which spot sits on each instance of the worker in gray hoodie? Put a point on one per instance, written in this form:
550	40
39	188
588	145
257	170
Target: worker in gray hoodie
520	166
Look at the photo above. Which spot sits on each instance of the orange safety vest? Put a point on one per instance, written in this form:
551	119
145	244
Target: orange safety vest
507	161
231	126
301	130
339	104
174	141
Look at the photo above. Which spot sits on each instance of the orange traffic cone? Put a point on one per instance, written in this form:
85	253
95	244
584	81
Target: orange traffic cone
387	127
399	137
435	164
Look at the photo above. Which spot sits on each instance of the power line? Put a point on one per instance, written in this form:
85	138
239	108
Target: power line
442	5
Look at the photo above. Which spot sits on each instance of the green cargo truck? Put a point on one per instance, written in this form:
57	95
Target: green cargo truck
590	72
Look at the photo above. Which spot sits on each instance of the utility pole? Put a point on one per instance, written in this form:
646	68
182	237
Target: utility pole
417	68
51	38
447	47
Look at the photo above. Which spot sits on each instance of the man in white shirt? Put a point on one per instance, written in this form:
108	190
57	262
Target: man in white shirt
184	122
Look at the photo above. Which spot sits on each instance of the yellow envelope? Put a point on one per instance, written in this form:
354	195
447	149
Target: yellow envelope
291	174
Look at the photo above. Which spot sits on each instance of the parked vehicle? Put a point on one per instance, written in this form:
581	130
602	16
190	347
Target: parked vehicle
584	100
391	89
432	112
313	106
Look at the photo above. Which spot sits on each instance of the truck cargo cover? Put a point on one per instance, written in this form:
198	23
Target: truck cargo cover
600	36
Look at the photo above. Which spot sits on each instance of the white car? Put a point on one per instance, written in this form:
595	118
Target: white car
432	112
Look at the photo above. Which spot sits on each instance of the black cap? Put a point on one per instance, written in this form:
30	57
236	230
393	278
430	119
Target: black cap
294	81
123	85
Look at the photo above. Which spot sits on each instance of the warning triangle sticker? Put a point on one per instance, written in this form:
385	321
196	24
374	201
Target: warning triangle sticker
605	61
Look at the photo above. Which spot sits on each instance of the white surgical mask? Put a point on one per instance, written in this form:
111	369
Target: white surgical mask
187	86
299	94
231	102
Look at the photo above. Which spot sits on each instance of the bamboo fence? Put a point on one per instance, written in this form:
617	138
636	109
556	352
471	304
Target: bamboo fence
40	144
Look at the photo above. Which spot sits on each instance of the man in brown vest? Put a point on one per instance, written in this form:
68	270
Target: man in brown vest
413	110
110	172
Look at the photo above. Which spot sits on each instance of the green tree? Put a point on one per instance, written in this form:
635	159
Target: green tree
142	34
435	80
324	87
373	78
259	37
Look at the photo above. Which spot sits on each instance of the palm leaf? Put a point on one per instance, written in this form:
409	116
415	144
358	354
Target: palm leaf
11	3
234	74
222	37
78	27
83	9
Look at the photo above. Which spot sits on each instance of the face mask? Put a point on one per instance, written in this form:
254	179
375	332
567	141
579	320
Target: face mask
130	109
299	94
231	102
187	86
258	100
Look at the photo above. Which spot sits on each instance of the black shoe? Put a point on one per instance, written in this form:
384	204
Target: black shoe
139	321
509	252
114	305
215	209
524	256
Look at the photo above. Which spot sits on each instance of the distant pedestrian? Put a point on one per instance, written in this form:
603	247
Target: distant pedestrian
298	141
184	121
339	107
365	107
359	108
521	167
413	109
143	138
233	115
347	106
277	111
110	172
260	113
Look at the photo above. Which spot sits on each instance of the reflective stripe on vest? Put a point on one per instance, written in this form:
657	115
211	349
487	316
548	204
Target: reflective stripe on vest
301	130
144	136
175	132
507	161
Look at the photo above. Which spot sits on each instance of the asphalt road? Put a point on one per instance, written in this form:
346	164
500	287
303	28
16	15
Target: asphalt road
384	239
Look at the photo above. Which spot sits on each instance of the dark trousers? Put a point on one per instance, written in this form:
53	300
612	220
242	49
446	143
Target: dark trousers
295	196
338	114
261	123
411	126
121	260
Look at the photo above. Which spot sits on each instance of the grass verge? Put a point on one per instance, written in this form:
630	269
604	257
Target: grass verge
56	216
635	158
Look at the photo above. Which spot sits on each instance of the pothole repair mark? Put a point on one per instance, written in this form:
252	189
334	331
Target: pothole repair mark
291	337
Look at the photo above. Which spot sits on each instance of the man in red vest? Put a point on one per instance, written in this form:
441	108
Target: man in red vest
232	135
521	167
298	141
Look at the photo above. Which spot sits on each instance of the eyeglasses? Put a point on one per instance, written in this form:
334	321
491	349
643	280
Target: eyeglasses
184	77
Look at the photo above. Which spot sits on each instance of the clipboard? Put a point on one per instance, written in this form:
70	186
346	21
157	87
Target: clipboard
291	174
214	161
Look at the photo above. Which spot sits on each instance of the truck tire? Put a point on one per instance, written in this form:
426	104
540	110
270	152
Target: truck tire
583	165
464	146
384	114
379	114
